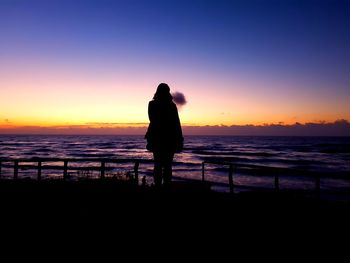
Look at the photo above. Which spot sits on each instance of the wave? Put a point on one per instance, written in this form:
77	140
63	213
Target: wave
335	149
45	150
308	153
262	154
94	155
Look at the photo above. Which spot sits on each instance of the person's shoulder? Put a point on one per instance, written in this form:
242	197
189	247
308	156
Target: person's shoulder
153	106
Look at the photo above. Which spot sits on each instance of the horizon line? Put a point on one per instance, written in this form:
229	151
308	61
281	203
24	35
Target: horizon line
337	128
121	125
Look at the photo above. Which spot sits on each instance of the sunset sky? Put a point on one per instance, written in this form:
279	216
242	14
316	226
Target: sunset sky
98	63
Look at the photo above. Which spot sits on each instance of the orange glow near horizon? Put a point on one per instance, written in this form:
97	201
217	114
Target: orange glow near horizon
76	64
49	97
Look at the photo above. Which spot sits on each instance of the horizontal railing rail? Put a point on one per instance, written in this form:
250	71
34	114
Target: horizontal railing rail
41	164
278	172
22	163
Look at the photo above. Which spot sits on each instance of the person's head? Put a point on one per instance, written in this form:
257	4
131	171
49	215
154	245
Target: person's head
163	93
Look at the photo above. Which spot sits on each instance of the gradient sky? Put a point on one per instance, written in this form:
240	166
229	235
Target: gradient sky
237	62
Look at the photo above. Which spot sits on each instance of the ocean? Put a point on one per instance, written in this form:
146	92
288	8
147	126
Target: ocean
256	160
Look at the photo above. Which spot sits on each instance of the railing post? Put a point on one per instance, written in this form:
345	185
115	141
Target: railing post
136	171
103	168
230	177
65	170
15	170
203	171
277	182
39	170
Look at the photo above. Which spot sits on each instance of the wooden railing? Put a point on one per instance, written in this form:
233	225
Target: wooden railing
19	163
231	166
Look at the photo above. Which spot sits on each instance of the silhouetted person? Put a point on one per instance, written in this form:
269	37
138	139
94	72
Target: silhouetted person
164	134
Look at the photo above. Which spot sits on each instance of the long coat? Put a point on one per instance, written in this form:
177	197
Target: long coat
164	131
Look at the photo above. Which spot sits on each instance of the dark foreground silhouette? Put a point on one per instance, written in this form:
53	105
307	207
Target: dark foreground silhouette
164	134
106	210
126	217
185	203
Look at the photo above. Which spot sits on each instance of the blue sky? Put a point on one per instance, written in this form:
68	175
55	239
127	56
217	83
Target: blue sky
302	44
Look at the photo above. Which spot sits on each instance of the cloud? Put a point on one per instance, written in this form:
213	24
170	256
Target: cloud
116	124
337	128
179	98
75	129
